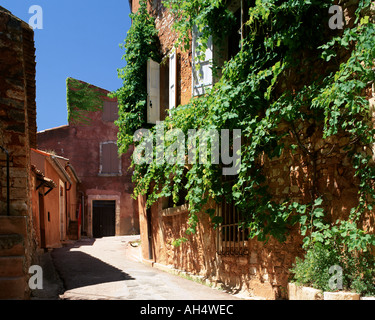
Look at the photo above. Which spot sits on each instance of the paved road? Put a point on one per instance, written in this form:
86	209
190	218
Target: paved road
103	269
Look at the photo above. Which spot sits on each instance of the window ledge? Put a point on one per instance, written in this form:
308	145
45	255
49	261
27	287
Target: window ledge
109	174
175	210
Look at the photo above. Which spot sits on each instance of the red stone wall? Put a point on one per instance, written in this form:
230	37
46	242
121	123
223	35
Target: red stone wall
80	143
296	176
17	135
17	108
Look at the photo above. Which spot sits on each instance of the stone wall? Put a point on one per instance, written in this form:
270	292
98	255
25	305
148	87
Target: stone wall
18	114
167	38
17	135
325	170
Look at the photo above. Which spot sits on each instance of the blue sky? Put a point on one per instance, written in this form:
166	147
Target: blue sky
79	39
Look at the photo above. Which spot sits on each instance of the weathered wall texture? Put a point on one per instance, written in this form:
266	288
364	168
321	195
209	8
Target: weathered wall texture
54	212
264	270
167	38
18	112
17	135
297	176
81	144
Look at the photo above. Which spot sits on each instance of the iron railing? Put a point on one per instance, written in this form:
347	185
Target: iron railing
231	237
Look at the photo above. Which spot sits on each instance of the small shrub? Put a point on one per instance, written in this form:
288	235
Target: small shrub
358	269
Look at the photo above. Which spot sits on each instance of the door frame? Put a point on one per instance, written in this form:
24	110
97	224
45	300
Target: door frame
104	218
62	211
90	202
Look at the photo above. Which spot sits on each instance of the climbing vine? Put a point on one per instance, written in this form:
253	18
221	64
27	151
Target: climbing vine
292	71
140	45
81	99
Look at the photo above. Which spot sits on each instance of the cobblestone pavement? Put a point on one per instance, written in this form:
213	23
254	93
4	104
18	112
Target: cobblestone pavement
107	269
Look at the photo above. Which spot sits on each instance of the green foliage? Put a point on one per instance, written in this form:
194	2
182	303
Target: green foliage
291	69
82	98
140	45
208	17
176	243
358	273
341	243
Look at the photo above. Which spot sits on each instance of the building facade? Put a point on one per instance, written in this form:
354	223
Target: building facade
17	137
226	255
106	186
56	208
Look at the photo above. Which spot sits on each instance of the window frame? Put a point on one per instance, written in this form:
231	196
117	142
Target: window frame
109	174
231	239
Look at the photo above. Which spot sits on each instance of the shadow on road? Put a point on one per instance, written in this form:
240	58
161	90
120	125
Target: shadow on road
78	269
82	242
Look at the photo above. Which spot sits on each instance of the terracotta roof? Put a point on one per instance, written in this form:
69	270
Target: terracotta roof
40	176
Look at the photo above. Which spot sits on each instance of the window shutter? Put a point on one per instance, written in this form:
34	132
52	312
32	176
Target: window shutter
110	111
202	77
114	158
153	92
113	111
106	158
172	79
110	160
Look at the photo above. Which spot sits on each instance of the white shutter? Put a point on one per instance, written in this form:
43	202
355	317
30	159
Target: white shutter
202	77
172	79
153	92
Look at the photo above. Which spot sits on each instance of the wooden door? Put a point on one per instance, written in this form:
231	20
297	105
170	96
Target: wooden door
104	219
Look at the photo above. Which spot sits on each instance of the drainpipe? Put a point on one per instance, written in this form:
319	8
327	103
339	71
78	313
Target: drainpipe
8	183
83	211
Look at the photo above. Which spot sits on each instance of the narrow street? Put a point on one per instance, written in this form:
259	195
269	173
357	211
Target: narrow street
107	269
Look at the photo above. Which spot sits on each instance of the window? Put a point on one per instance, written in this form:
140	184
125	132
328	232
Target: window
110	163
153	92
162	91
231	237
110	111
164	88
169	203
173	80
202	76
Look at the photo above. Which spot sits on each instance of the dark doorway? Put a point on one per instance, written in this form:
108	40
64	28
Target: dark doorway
104	219
149	233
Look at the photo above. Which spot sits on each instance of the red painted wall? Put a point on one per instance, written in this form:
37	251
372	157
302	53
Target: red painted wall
80	143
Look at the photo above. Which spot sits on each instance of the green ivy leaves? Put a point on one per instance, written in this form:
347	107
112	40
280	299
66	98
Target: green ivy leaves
82	98
140	45
258	95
